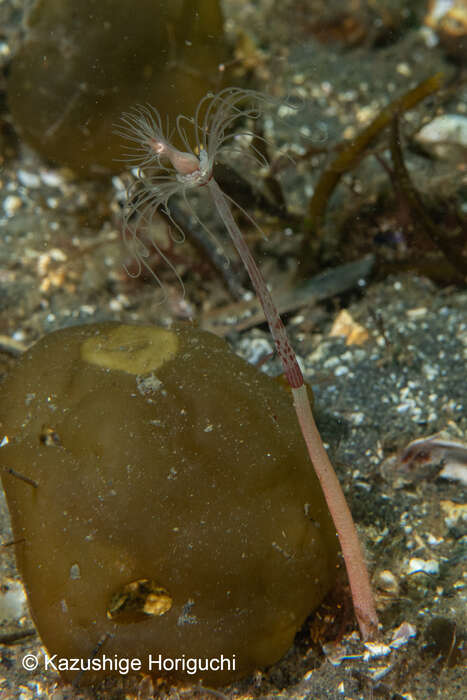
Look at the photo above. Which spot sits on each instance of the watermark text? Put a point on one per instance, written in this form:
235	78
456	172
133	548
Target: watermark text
112	663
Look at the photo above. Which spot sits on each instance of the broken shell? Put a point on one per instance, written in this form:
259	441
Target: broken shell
345	325
427	456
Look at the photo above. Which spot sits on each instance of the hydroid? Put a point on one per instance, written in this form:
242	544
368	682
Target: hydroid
164	170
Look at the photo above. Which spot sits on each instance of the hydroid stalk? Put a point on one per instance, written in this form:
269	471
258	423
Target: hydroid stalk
357	572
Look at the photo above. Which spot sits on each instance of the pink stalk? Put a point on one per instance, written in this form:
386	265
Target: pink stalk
357	572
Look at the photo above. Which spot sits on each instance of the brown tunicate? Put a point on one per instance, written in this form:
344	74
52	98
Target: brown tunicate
84	63
167	504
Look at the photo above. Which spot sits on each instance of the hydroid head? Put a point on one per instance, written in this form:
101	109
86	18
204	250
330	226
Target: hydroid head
163	170
208	132
150	144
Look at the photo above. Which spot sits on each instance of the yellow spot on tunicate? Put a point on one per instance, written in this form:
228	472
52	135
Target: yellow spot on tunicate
132	349
157	603
137	600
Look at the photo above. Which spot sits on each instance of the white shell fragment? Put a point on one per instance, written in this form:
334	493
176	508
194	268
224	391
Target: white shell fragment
444	134
12	602
336	652
28	179
387	582
455	513
425	566
375	650
451	128
402	634
11	204
378	672
381	657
